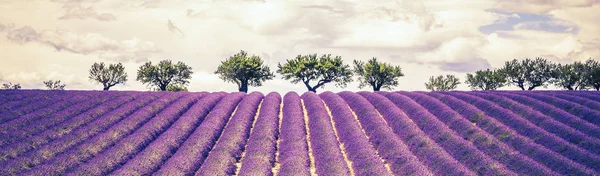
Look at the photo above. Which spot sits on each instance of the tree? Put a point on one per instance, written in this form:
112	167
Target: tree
530	73
377	74
321	70
108	76
441	83
10	85
164	73
244	70
176	88
486	80
571	76
54	85
592	78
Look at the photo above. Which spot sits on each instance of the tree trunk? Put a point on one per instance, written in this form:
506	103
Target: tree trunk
532	87
376	88
163	88
106	88
569	88
522	87
312	89
243	88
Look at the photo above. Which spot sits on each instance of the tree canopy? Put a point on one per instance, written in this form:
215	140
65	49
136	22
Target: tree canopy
592	77
10	85
244	70
164	73
571	76
377	74
108	76
54	85
485	80
530	73
322	70
441	83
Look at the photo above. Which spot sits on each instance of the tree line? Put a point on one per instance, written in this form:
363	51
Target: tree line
316	71
527	74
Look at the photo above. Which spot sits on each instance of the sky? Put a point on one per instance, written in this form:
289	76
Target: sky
60	39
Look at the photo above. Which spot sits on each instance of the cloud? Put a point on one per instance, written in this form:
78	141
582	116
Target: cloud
174	28
542	6
82	13
87	43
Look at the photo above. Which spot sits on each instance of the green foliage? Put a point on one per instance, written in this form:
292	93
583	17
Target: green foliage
377	74
441	83
164	73
592	77
244	70
322	70
530	73
54	85
486	80
173	88
108	76
10	85
571	76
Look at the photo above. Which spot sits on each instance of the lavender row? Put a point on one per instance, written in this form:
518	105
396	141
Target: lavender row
364	158
397	154
17	123
293	148
202	140
159	150
324	144
431	116
76	155
489	140
592	104
543	147
82	134
32	106
570	107
65	128
435	157
12	105
259	157
127	147
76	110
551	124
575	151
228	149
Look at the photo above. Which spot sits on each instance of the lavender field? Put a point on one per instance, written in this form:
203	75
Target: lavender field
346	133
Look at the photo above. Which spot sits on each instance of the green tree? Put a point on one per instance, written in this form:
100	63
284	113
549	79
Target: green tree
244	70
571	76
530	73
485	80
54	85
164	74
10	85
108	76
441	83
322	70
592	77
377	74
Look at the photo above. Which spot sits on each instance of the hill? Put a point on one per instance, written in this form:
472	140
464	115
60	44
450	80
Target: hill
346	133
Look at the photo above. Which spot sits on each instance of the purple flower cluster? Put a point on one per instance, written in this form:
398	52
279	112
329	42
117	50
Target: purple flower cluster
431	116
364	158
202	140
93	146
261	147
65	128
540	146
397	154
583	112
329	159
435	157
34	124
79	135
25	107
228	149
482	137
150	159
127	147
293	148
568	130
